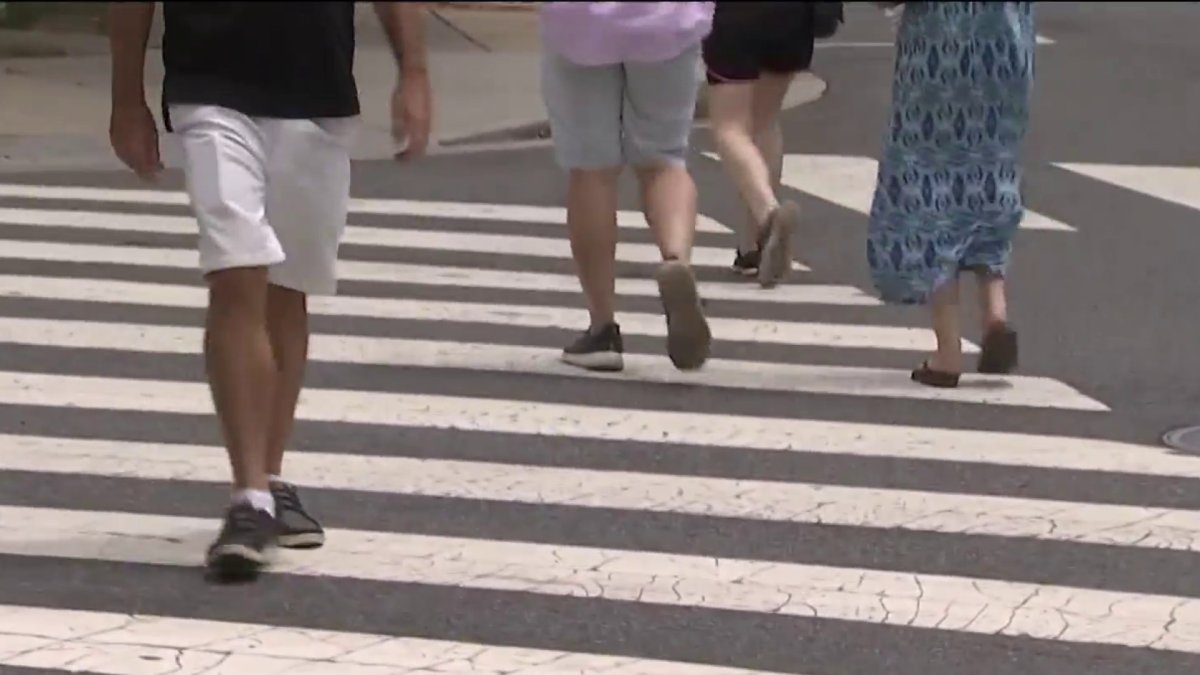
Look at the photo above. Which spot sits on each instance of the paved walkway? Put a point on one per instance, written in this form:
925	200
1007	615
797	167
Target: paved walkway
484	68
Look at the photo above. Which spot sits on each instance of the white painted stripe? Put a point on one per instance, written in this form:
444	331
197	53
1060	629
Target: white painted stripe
136	644
440	275
515	213
756	376
632	323
621	424
458	242
1176	184
849	182
771	501
545	215
979	606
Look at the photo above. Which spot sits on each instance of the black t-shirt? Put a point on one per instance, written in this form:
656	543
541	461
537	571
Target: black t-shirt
290	60
748	13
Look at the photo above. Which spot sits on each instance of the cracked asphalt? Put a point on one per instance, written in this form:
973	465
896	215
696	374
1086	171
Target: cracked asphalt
490	511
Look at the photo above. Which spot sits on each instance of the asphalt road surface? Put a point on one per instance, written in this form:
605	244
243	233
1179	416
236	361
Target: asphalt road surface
796	507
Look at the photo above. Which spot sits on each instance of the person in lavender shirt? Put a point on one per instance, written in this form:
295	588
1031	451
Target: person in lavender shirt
620	82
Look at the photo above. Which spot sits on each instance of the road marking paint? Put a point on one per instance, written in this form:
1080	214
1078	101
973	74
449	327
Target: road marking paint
632	323
1176	184
767	501
849	182
129	644
384	237
748	375
942	602
443	275
621	424
515	213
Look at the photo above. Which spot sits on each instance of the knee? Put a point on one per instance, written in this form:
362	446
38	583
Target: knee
731	132
237	292
652	170
604	178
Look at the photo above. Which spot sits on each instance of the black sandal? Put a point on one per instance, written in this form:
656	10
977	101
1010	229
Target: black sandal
998	353
935	378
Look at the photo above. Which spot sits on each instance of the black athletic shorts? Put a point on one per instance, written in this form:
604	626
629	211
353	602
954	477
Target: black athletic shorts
749	38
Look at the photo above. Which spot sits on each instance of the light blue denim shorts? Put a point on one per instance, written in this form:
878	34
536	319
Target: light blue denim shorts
634	114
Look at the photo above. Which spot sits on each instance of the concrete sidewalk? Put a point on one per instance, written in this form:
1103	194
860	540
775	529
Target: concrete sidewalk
484	64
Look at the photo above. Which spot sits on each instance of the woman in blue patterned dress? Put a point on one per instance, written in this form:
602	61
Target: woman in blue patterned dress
948	196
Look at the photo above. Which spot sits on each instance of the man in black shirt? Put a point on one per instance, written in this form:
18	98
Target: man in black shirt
263	99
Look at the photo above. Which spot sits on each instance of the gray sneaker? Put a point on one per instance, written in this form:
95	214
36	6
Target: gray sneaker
600	350
776	261
689	338
295	528
242	549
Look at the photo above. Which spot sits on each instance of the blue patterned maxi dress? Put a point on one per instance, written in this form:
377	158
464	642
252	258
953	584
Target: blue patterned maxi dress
948	195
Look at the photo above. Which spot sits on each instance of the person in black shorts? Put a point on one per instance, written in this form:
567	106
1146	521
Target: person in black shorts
751	56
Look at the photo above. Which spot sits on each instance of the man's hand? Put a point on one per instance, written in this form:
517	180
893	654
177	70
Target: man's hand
134	138
412	100
131	128
412	114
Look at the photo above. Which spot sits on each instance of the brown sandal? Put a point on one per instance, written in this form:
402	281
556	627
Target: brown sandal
935	378
998	353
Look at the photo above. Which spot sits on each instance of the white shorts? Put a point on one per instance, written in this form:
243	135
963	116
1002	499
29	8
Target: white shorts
267	192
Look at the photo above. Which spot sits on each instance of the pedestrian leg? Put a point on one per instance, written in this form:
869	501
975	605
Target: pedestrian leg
945	367
225	162
584	105
659	106
307	202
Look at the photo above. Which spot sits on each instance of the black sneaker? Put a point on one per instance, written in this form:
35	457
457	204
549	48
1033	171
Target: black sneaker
600	349
242	548
294	527
746	264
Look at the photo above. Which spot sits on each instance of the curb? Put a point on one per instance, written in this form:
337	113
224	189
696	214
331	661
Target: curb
540	130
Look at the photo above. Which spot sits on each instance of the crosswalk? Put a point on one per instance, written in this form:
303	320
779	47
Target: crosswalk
786	509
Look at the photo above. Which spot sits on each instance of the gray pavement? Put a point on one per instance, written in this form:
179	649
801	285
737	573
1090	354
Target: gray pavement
55	107
778	512
1110	308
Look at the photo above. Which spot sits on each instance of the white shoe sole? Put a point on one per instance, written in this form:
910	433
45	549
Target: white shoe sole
600	361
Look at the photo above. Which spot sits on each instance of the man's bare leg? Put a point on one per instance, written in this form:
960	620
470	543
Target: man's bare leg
287	327
241	375
241	369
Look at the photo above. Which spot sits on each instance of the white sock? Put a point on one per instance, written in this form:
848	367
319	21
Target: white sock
259	499
275	479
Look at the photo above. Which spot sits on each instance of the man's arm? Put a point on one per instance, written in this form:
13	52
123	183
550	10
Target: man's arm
412	105
128	35
404	23
132	131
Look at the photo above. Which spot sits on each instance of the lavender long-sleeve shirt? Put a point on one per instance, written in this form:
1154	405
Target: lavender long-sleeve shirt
601	33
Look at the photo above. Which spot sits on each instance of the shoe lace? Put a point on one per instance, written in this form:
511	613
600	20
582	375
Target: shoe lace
286	497
243	518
